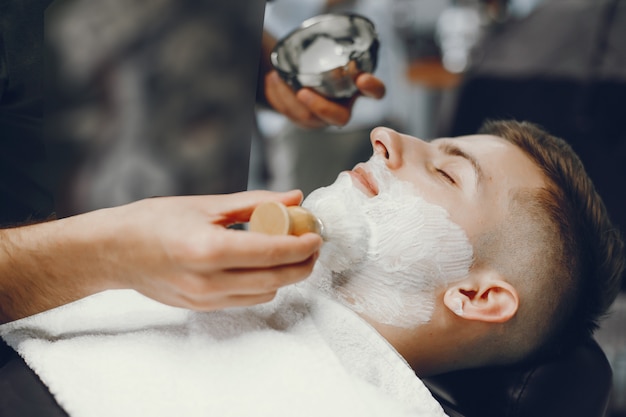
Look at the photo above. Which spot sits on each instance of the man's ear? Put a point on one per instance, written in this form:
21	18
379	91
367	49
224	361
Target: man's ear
482	296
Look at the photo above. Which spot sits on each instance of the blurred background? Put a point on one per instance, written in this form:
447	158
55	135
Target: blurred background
146	97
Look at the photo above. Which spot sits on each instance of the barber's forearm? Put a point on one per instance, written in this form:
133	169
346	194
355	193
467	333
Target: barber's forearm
43	266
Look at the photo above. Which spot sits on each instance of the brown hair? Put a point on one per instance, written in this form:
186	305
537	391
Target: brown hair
585	265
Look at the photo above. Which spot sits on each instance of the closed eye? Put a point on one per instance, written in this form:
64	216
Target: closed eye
445	175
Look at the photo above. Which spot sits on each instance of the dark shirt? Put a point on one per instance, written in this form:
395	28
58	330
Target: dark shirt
22	163
22	154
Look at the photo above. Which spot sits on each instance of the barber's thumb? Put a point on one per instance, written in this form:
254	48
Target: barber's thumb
370	86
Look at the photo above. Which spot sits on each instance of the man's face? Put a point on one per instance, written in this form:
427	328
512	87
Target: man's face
472	177
422	206
402	225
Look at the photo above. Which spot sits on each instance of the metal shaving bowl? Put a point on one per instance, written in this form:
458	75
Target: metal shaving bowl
326	53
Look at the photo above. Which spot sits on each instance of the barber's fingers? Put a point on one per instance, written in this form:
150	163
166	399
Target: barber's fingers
339	112
239	287
336	113
252	281
238	207
243	249
265	280
283	99
370	86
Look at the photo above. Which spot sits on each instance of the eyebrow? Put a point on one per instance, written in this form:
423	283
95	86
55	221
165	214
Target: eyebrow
453	150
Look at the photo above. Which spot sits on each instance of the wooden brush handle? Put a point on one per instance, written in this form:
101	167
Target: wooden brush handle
275	218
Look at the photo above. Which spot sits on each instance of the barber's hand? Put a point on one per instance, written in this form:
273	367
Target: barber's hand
309	109
176	250
180	252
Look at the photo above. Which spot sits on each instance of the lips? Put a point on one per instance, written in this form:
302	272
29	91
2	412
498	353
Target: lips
364	180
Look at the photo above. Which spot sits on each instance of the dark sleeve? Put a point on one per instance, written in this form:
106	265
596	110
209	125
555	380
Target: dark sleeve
22	151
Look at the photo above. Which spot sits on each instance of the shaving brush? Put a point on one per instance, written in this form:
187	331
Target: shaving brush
275	218
346	236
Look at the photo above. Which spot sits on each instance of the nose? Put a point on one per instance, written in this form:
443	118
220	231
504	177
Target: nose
388	144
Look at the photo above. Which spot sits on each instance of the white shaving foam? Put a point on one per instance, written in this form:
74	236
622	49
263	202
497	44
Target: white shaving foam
322	55
385	256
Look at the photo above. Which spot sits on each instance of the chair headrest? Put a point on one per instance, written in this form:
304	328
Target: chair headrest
574	384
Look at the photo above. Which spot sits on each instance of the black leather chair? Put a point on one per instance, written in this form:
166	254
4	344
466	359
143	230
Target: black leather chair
575	384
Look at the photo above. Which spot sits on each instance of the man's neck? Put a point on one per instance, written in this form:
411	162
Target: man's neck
427	348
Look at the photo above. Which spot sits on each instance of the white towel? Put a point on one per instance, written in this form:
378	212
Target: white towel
118	353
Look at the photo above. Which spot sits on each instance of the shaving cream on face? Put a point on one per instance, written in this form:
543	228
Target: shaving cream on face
386	255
